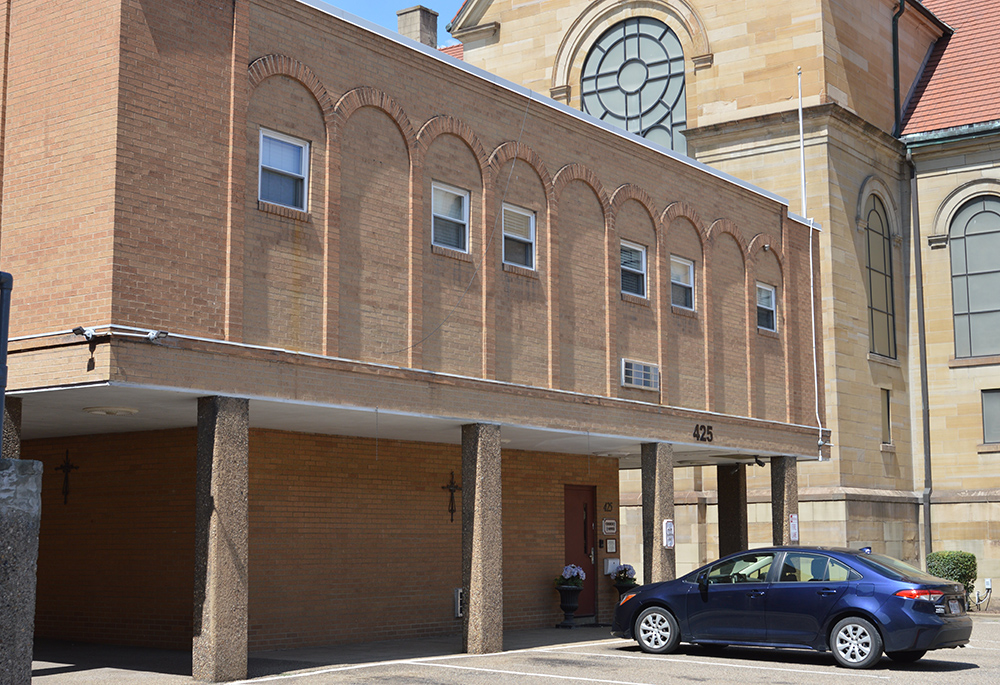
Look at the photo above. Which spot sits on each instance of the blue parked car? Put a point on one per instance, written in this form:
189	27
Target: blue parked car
850	602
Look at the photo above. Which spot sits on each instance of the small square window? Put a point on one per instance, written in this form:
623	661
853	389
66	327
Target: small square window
284	170
518	237
633	269
450	217
766	308
991	416
681	282
640	375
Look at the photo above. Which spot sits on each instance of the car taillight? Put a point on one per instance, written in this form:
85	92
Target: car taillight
626	598
924	595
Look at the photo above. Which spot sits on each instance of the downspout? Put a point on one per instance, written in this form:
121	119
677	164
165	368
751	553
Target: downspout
897	115
925	412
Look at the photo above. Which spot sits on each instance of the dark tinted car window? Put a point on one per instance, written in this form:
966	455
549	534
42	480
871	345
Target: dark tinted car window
896	569
750	567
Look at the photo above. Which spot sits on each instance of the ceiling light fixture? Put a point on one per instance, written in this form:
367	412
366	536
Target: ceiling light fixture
111	411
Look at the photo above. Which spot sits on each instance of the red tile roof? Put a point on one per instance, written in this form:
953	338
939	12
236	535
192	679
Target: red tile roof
456	51
961	82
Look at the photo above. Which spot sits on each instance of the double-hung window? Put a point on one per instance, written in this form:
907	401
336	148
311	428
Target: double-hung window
681	282
633	269
450	217
284	170
518	237
767	309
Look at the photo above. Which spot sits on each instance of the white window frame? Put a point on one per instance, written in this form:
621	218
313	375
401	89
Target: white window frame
517	238
690	286
643	272
303	174
652	370
773	308
464	194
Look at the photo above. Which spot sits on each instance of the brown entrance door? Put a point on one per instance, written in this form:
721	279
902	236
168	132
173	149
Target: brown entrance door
581	505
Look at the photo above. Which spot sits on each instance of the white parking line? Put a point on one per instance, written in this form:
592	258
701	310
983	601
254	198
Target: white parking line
582	679
845	674
420	660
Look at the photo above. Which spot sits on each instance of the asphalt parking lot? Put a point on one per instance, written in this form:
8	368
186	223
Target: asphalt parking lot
592	658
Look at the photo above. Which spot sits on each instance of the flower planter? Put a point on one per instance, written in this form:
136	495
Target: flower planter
569	602
624	587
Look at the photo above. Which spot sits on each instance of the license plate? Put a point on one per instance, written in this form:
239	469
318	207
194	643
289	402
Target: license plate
954	606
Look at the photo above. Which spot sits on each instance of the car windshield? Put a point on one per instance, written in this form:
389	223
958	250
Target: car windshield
896	568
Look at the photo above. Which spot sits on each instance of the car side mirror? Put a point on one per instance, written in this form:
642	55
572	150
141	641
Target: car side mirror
703	580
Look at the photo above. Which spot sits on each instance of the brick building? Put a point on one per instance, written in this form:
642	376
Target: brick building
285	282
901	115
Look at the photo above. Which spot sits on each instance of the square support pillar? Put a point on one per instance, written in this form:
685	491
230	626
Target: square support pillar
482	539
11	428
20	517
784	499
732	480
219	647
659	561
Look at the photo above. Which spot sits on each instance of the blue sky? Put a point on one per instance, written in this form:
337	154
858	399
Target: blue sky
384	13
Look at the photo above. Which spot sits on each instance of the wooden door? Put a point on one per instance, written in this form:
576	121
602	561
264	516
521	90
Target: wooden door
581	540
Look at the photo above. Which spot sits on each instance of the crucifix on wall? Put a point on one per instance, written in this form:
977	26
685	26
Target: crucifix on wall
66	468
452	487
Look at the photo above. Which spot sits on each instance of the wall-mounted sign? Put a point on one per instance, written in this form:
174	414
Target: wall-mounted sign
668	533
609	526
793	526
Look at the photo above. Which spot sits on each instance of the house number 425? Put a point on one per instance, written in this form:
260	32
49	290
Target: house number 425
703	433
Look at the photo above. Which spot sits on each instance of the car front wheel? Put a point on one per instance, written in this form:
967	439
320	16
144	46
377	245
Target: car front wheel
657	631
855	643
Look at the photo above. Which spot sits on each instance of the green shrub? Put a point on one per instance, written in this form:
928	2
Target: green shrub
957	566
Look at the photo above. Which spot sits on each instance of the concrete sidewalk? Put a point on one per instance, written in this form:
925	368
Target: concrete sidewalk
73	663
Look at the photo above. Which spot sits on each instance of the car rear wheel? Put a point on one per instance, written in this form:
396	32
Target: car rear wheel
657	631
855	643
906	657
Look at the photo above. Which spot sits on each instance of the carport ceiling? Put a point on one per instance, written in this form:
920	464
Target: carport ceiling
63	412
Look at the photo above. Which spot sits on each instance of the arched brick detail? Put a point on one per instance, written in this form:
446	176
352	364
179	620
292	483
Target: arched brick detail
511	150
629	191
282	65
682	210
579	172
441	125
353	100
727	226
757	246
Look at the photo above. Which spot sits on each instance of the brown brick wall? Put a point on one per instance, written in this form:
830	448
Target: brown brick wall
116	561
59	163
346	536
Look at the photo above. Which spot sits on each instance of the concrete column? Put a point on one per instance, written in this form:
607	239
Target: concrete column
20	515
732	480
784	498
658	561
482	539
12	428
219	649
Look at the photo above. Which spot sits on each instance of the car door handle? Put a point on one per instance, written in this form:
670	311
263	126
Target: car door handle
755	593
826	592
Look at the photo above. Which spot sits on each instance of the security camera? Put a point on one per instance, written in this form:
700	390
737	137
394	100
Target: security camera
87	333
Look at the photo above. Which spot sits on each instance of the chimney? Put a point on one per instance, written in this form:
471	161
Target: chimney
418	23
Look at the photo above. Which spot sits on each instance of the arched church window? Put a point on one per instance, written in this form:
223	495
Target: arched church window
881	308
633	78
974	240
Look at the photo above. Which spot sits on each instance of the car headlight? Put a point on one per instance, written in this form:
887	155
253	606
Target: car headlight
626	598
